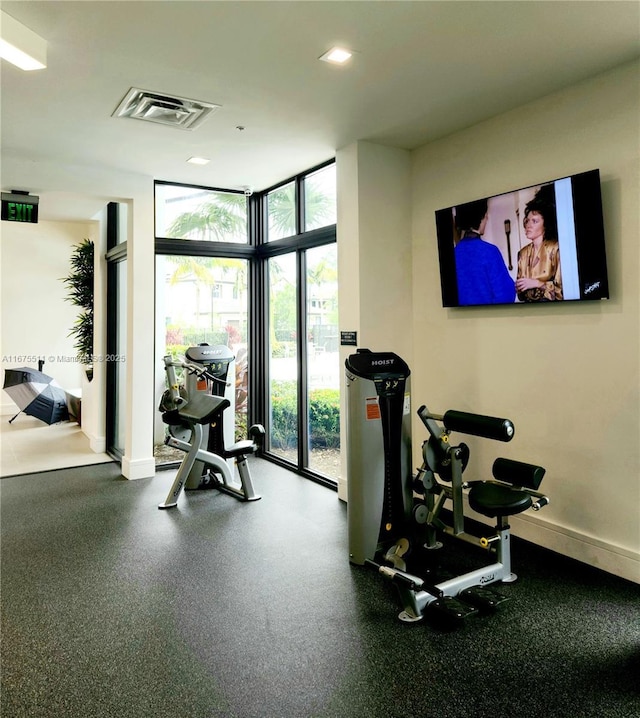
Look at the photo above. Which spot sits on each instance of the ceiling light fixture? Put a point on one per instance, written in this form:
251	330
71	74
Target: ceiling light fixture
336	55
21	46
198	160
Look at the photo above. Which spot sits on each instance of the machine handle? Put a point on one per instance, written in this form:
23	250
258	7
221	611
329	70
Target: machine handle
202	372
425	415
542	501
174	387
489	427
429	420
413	583
193	369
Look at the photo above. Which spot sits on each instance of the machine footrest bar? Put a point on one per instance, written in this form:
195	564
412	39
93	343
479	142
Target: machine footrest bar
452	608
482	598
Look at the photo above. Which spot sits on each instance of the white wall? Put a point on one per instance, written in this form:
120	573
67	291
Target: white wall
94	392
138	461
374	255
36	319
567	375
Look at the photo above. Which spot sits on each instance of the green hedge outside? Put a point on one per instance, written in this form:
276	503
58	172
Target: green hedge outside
324	416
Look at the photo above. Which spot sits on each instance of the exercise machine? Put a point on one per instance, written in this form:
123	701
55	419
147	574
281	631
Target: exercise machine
194	416
219	363
395	518
378	432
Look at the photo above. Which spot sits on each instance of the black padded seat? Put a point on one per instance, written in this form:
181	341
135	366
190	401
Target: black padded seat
496	500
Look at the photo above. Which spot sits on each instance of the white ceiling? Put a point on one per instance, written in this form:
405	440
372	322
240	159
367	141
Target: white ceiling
422	70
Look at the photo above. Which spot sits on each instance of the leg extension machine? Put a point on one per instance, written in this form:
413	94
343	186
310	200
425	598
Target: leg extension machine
391	515
513	489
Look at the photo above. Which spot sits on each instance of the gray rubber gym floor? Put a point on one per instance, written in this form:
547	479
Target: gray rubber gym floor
219	609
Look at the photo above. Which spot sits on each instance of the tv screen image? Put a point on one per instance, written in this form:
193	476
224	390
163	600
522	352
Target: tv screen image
543	243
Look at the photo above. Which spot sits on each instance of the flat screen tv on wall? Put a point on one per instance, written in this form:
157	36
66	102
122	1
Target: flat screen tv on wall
543	243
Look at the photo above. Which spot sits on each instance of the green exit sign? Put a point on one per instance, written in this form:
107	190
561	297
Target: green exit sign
19	207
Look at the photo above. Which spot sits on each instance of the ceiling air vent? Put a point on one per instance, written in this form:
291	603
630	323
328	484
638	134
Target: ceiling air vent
164	110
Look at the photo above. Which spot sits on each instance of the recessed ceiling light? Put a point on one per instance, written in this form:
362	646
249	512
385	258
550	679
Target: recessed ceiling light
336	55
198	160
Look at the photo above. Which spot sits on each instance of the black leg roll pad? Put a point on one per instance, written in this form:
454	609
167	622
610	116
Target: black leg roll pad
489	427
518	473
257	433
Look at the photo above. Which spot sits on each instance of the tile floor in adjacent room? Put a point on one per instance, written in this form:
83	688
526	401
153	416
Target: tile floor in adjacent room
28	445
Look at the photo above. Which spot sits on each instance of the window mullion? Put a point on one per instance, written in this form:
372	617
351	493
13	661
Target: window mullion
258	327
303	374
300	204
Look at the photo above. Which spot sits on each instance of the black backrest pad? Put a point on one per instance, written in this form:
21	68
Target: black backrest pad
171	417
518	473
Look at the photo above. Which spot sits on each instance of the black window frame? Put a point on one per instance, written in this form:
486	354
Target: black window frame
115	254
258	250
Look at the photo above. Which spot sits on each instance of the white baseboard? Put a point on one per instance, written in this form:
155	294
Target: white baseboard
138	468
593	551
342	489
608	557
98	444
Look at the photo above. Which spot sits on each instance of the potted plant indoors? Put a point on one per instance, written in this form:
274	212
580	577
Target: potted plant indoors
80	285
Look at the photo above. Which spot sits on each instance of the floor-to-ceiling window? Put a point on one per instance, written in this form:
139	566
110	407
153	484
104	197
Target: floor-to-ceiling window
202	288
301	377
323	361
258	274
283	357
204	300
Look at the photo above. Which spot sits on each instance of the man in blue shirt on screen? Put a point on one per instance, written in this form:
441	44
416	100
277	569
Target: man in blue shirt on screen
481	273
